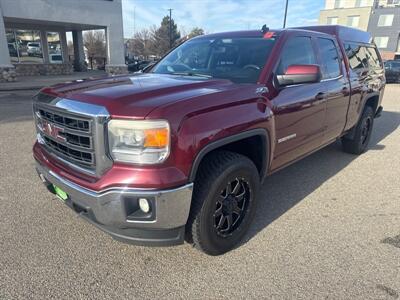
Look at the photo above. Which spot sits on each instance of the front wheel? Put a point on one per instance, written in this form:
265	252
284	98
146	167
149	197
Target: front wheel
224	202
358	144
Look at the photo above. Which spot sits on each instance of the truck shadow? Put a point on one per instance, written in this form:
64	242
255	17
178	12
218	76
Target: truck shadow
284	189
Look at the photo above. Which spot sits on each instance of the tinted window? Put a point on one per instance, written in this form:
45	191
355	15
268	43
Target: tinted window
372	56
357	56
330	58
362	57
297	51
391	65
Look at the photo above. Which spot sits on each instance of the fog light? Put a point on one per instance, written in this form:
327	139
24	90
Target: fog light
43	178
144	205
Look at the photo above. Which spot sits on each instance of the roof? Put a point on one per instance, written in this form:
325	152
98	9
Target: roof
343	33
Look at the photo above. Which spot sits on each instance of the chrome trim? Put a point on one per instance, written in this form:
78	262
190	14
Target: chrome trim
172	206
96	115
331	79
286	138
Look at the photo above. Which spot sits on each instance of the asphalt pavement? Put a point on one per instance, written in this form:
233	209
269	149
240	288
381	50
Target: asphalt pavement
328	227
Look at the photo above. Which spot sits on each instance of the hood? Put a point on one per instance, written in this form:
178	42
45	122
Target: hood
137	95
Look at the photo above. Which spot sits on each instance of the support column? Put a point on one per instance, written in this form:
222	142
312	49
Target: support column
115	50
45	46
64	47
79	53
7	70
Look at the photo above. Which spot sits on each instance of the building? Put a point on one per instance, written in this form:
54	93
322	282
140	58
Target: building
353	13
379	17
384	26
33	35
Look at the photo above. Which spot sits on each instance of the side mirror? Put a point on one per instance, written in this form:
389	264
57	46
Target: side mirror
299	74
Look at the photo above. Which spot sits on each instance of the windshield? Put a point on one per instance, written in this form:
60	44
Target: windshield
237	59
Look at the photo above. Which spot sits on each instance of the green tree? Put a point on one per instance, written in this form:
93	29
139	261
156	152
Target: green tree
195	32
162	37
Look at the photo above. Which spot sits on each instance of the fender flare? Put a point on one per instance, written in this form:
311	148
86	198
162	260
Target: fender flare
263	133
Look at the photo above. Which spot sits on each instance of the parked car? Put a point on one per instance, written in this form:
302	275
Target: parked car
392	71
179	153
138	65
34	49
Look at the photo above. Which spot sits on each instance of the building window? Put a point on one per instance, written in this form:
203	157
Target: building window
353	21
361	3
54	46
12	45
332	20
381	41
29	46
339	4
385	20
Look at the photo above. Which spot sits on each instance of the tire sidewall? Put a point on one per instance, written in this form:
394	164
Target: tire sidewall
218	244
367	114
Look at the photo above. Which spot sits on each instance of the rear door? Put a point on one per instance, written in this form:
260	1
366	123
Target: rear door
336	87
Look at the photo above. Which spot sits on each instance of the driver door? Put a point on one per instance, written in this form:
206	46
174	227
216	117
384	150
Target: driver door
299	109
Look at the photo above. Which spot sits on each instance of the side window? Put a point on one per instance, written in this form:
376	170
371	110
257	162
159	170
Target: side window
357	56
296	51
330	58
373	59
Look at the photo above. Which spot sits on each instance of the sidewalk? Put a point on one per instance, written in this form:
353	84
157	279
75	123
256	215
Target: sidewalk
37	82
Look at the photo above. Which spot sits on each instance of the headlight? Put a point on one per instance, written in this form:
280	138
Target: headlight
140	142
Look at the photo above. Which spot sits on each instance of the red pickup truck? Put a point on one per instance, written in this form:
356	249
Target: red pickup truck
178	152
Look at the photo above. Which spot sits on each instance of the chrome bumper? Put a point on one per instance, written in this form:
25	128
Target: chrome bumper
118	207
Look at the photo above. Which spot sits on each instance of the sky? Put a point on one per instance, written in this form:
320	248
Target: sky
219	15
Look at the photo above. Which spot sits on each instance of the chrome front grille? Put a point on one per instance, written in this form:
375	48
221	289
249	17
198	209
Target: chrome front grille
73	132
67	136
68	122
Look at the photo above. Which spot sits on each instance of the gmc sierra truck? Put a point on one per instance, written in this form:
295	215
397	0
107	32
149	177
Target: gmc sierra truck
178	152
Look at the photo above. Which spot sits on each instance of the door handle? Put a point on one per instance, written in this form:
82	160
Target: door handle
320	96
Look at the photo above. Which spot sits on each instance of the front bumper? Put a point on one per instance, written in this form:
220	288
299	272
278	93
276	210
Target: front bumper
116	211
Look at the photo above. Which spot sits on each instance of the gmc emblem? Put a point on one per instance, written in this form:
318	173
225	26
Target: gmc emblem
53	130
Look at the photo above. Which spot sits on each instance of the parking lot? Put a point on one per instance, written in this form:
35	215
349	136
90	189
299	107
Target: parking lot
327	227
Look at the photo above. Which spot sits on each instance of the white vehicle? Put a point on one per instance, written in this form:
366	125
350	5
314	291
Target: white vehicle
34	49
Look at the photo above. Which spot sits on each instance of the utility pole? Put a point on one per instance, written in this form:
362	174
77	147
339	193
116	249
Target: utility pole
170	28
134	21
284	19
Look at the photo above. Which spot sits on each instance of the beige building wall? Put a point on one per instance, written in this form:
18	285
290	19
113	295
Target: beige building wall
330	4
344	15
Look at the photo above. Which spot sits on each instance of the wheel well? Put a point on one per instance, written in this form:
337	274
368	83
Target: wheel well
254	147
373	102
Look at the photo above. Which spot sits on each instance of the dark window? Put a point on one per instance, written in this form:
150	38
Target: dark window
357	56
330	58
372	56
361	57
297	51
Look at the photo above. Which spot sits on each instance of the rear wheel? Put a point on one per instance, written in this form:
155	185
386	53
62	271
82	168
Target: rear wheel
224	202
358	144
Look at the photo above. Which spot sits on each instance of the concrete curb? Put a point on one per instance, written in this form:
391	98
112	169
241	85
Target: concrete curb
22	88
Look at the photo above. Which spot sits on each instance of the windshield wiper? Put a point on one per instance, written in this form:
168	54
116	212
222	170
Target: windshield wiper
191	74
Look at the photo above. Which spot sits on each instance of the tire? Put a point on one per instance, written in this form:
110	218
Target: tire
358	144
225	192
